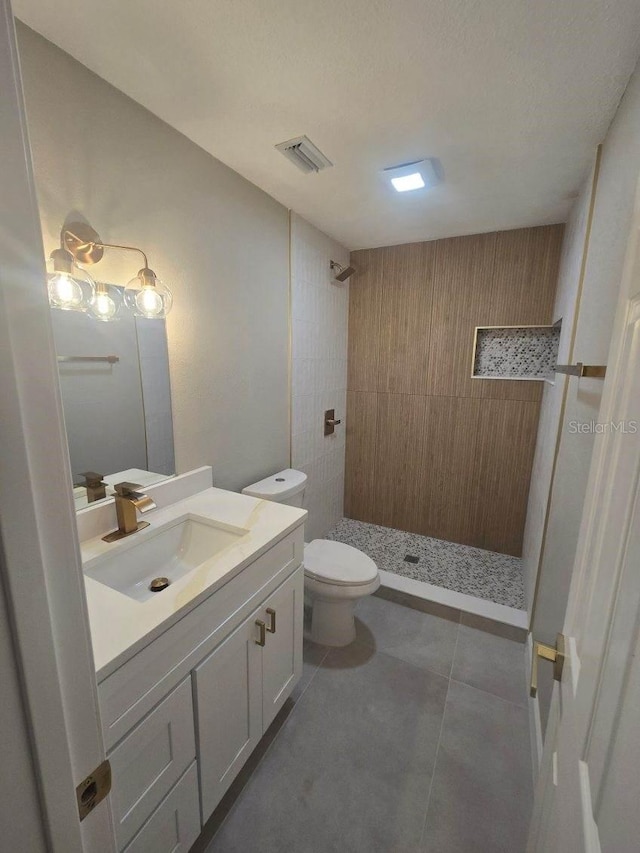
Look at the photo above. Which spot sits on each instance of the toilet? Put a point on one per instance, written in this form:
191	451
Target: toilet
336	575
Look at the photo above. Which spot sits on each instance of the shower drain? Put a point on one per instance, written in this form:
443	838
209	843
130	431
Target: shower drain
410	558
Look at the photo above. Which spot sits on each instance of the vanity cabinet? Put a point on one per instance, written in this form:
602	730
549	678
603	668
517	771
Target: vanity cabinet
175	825
228	700
150	760
181	717
241	686
282	654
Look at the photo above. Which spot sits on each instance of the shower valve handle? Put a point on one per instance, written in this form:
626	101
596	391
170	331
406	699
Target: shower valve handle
330	421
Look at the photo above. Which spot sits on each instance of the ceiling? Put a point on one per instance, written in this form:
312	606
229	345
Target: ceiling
510	95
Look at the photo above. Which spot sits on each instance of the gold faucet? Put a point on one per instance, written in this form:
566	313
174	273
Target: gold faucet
128	502
96	489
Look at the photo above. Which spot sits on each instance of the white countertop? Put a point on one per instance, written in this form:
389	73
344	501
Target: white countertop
121	626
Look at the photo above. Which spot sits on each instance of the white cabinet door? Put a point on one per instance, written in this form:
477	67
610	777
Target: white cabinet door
282	654
175	824
228	687
150	760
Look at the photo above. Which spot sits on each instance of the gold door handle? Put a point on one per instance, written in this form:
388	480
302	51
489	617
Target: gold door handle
263	637
272	627
556	656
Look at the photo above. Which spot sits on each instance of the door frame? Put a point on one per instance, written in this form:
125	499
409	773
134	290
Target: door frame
535	717
42	569
585	657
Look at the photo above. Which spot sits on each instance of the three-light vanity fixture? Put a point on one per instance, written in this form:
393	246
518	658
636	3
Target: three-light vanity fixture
71	287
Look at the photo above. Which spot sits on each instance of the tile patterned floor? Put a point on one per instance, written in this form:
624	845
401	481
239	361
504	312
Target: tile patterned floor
485	574
410	740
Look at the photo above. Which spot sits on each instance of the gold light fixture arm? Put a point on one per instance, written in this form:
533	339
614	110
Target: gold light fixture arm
86	246
126	248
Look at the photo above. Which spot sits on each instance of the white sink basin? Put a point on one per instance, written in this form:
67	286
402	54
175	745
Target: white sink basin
171	552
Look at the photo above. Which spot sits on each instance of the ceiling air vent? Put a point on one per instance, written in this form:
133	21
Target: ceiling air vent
304	154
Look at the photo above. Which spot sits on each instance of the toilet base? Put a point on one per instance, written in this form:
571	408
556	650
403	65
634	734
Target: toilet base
333	621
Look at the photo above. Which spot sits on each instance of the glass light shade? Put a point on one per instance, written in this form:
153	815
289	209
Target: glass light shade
70	287
107	303
148	297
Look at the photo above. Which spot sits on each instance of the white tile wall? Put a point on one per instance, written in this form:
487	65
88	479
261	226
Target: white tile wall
320	309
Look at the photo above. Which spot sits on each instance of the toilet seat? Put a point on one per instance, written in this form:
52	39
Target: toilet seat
335	563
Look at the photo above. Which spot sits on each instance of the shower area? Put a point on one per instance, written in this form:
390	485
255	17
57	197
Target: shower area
450	343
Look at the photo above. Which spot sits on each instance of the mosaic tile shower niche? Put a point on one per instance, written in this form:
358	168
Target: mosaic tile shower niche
523	352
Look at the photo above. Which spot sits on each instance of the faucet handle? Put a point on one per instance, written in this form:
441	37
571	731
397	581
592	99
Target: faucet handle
127	490
96	488
142	502
92	478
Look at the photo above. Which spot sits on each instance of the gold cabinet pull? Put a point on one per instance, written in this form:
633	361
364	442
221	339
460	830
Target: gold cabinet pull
272	626
263	636
556	656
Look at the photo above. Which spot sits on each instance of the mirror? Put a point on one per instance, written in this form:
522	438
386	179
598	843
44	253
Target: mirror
116	398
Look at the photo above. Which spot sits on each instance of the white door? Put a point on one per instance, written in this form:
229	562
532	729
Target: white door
588	792
282	655
40	564
228	690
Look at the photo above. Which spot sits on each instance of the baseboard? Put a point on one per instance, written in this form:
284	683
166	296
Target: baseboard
535	724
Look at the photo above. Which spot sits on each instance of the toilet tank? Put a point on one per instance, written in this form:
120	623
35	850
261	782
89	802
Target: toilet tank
285	487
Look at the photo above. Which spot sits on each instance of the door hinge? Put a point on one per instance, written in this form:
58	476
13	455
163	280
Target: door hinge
93	789
555	655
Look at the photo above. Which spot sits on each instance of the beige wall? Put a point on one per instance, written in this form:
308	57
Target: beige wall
221	244
612	217
429	449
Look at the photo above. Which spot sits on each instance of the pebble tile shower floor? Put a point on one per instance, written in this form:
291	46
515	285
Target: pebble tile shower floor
414	739
484	574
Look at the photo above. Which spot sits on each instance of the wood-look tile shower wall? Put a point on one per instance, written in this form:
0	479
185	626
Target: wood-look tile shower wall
429	449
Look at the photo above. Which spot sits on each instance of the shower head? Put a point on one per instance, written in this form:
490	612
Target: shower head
341	273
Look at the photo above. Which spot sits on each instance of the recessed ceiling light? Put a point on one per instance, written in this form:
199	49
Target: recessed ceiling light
413	176
414	181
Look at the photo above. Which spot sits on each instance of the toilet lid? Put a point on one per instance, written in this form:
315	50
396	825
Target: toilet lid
337	563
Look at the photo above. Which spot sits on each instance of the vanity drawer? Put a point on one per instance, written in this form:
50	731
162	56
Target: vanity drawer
175	824
150	760
131	691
